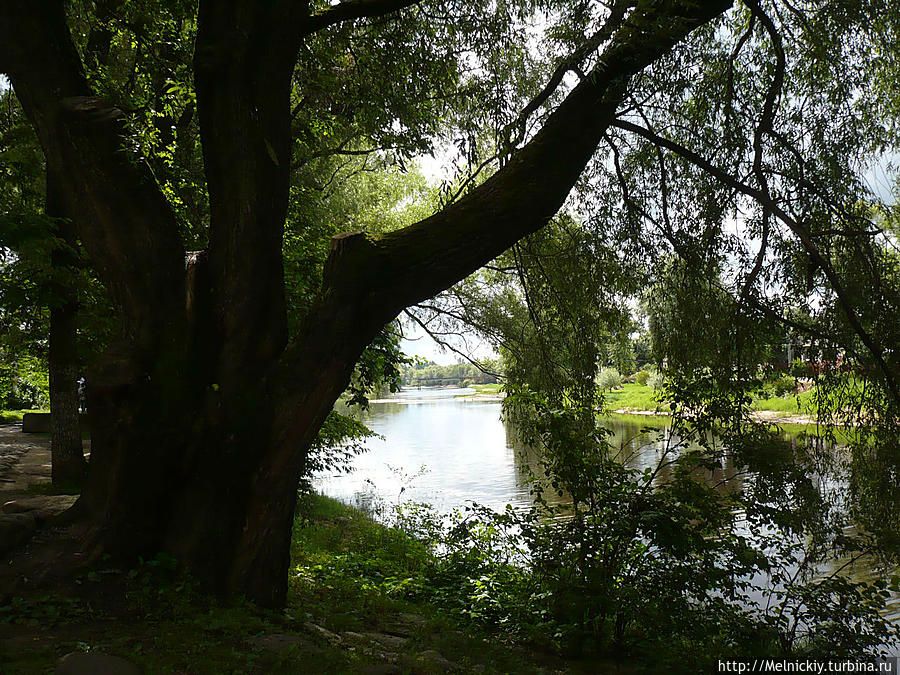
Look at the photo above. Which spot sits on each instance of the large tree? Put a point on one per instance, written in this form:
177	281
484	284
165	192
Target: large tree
204	412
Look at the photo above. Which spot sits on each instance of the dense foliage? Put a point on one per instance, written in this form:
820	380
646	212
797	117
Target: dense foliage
723	216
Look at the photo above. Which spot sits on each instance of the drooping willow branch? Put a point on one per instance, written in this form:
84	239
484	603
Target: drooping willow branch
765	199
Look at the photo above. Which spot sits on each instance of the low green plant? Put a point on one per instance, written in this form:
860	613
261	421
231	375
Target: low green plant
799	368
781	386
657	562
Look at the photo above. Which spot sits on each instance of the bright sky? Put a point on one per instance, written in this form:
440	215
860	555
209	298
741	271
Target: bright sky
418	343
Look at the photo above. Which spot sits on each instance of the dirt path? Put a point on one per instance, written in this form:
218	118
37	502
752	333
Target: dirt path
25	505
24	460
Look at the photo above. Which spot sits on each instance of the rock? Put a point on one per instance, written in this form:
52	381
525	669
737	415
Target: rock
41	507
406	624
39	423
391	641
36	423
355	638
380	669
15	530
94	663
318	631
435	659
278	642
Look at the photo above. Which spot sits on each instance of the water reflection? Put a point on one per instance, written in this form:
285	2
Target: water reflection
434	448
438	448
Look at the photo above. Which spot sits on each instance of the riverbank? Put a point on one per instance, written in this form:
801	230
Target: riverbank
762	416
640	400
475	392
636	399
348	608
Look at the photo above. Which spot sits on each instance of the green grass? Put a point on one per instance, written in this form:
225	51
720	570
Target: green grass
804	404
642	421
10	416
348	573
492	389
633	396
488	388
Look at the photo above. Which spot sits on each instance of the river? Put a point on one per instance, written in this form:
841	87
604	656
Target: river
436	447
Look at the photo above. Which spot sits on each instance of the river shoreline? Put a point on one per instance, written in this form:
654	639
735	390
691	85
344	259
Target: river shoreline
760	416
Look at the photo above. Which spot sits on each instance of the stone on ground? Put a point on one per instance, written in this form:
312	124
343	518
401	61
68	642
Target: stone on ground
94	663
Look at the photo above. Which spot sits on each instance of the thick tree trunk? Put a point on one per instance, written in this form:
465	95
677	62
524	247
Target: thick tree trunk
67	453
216	492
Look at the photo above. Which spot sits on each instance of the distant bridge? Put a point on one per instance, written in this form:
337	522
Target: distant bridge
444	381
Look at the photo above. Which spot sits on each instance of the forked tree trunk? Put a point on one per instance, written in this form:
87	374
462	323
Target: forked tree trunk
202	417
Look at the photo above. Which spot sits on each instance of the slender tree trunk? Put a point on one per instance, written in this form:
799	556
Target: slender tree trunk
68	463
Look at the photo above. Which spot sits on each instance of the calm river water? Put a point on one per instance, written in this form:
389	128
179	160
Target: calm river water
434	447
438	448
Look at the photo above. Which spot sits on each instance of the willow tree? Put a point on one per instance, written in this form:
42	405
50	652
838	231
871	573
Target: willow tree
204	411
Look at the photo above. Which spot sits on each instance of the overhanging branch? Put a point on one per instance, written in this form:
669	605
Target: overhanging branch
353	9
367	281
421	260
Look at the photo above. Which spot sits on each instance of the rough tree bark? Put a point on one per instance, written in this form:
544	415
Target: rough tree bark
204	413
68	466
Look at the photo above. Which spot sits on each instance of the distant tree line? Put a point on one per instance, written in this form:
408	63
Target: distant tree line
430	374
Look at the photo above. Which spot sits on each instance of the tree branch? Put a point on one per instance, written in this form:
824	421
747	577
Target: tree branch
127	226
353	9
368	282
419	261
573	62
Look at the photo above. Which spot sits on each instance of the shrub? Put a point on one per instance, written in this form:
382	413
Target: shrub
609	378
641	377
799	368
663	570
656	380
780	386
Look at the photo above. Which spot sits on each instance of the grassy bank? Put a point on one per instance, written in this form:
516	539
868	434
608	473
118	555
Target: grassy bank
636	397
483	390
347	612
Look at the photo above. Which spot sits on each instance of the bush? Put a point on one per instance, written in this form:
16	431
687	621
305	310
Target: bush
641	377
609	378
799	368
780	387
24	384
663	570
656	380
